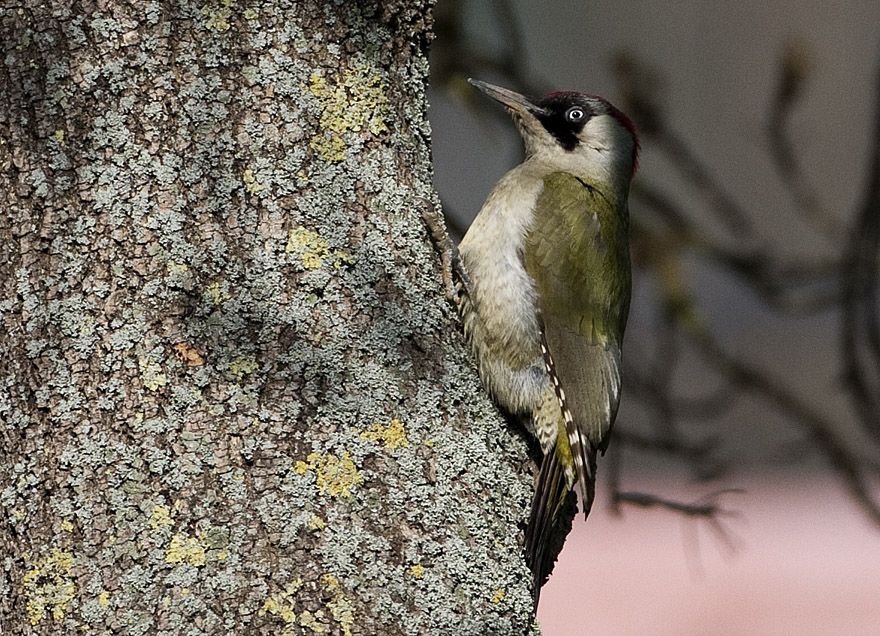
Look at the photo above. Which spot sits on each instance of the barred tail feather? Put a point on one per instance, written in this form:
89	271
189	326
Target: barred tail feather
570	460
550	495
583	452
584	455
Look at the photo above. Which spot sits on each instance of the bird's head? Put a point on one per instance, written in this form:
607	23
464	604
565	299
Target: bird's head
574	132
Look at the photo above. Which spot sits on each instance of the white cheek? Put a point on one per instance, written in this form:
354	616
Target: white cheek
608	138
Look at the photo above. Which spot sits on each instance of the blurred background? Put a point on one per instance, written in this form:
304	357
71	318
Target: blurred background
741	493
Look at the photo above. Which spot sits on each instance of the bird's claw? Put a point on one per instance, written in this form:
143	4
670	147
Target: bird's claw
458	269
450	259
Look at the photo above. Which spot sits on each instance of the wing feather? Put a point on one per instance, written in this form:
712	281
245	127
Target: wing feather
577	253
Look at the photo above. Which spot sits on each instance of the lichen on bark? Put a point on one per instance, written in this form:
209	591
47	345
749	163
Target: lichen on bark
219	332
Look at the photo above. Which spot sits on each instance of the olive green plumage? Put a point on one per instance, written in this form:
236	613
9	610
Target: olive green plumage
577	253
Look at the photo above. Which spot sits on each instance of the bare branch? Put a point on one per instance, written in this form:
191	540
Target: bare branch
848	464
804	286
641	92
704	507
680	447
711	406
861	326
793	71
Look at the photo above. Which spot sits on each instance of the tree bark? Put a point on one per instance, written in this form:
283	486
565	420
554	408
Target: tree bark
234	399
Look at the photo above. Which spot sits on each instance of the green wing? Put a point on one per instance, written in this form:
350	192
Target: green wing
577	253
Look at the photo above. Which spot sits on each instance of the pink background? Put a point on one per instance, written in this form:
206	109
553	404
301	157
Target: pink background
806	562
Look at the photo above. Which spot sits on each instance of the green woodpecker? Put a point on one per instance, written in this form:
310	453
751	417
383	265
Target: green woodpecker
549	290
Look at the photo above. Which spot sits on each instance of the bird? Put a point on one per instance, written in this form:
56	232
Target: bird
548	294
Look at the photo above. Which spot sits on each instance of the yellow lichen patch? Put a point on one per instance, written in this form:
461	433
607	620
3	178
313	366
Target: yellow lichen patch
498	596
151	374
334	475
340	607
250	182
342	257
330	146
313	621
342	611
218	14
310	246
417	571
272	606
86	325
176	268
331	582
217	294
242	366
392	436
67	526
104	598
48	586
316	523
281	604
354	101
160	517
59	136
186	549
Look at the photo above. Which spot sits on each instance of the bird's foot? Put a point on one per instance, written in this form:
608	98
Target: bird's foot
450	259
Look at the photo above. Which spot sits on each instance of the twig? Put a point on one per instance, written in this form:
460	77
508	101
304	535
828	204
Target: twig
641	87
783	285
704	407
704	507
860	330
726	207
849	466
677	446
514	58
793	73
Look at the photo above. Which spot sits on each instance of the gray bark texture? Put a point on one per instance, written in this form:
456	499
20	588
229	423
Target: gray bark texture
234	399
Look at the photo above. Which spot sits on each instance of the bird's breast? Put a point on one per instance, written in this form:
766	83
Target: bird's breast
505	332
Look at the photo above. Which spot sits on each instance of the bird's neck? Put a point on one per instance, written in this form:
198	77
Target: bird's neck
599	175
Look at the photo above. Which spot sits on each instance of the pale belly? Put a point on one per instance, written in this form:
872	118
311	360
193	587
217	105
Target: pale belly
504	330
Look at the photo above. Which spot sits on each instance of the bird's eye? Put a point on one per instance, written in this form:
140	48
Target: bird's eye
574	114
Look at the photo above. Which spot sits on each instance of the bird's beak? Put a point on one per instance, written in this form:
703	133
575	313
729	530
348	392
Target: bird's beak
514	101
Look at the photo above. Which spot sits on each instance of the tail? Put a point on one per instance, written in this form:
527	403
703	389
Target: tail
584	454
550	518
570	460
575	445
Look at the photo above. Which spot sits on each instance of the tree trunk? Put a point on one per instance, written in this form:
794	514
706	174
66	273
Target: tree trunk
234	399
